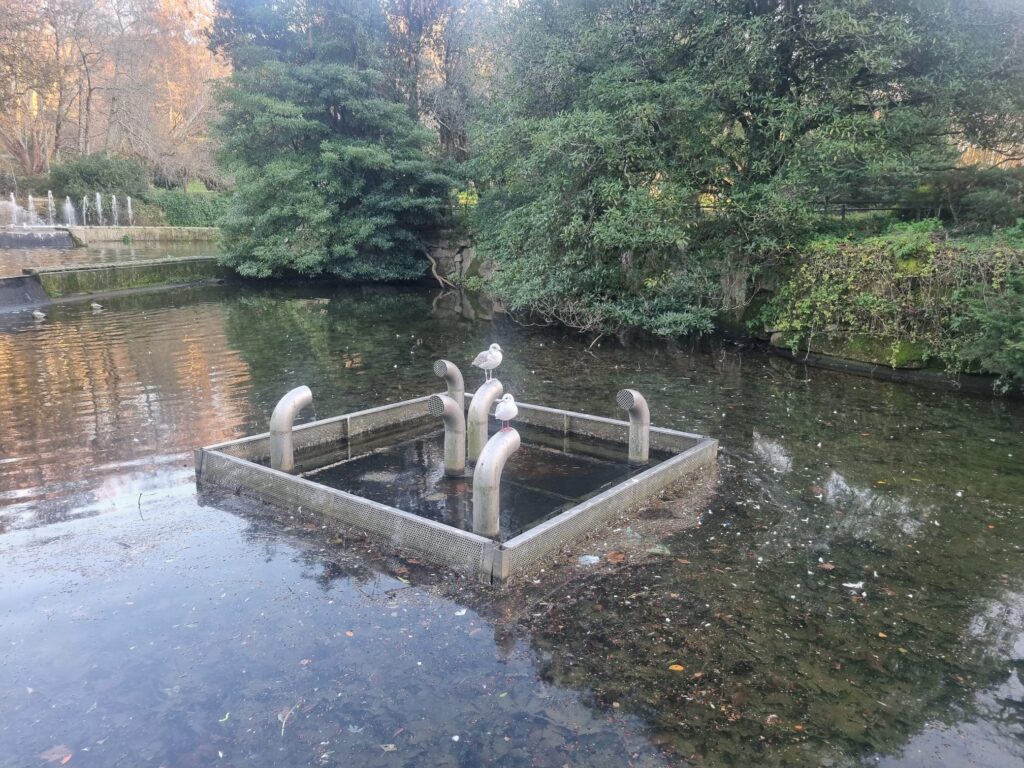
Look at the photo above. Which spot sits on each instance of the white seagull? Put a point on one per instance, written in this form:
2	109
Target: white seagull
96	306
488	360
506	410
38	315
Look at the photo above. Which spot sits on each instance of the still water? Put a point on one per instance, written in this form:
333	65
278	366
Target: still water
140	625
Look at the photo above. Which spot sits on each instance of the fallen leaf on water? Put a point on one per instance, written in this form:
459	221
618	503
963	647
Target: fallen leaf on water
389	747
882	635
698	675
682	560
57	754
798	728
826	566
676	667
616	557
305	662
349	633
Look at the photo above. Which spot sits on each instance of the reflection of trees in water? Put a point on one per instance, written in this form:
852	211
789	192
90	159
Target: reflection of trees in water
345	344
84	395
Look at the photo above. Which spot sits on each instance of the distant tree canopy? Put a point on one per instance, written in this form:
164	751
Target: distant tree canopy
125	77
333	173
610	123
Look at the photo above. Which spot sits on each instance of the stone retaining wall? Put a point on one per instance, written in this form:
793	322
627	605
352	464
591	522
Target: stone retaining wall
90	235
126	275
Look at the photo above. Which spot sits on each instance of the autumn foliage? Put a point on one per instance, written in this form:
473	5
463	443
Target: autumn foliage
128	77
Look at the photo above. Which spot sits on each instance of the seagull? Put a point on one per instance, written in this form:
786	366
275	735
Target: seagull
506	410
38	315
488	360
96	306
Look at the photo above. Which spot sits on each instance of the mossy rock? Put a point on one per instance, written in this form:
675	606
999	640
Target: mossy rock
861	347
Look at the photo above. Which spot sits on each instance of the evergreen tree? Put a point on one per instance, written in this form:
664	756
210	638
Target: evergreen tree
333	175
612	123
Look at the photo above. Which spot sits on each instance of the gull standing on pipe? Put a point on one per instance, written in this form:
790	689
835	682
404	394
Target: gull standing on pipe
37	315
506	410
488	360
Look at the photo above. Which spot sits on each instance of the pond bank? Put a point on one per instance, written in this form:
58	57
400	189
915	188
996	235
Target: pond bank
33	278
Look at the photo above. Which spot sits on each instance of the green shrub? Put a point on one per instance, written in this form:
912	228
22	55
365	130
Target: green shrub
98	173
974	197
147	215
190	209
990	208
959	300
994	329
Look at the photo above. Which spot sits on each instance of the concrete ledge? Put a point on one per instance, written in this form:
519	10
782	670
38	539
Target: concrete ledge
90	235
97	278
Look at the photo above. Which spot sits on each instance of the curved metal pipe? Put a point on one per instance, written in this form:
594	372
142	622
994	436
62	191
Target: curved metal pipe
479	411
282	453
487	481
449	410
639	424
452	376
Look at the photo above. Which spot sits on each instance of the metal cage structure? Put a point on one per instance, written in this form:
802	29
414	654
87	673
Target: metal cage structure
243	467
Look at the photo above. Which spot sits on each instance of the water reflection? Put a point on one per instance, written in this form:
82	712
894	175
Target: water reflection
826	480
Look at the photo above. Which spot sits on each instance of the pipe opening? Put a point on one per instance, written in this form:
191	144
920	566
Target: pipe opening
639	424
454	419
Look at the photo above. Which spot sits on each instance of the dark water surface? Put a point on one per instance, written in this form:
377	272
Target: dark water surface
140	627
538	482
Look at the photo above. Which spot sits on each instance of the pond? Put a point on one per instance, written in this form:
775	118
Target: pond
143	626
